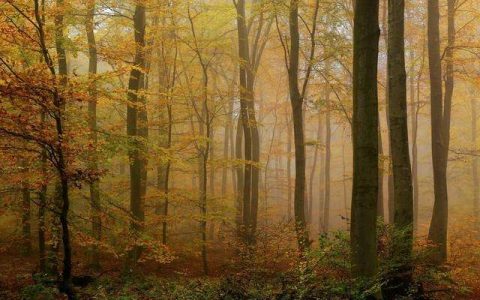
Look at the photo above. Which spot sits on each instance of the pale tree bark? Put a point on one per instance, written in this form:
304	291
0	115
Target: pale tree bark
365	139
390	192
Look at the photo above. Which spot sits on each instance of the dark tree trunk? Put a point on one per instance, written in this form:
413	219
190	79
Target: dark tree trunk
440	124
402	184
136	129
59	102
296	100
365	139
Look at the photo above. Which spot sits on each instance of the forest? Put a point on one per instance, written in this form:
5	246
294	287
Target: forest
239	149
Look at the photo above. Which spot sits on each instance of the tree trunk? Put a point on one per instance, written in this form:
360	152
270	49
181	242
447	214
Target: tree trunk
314	168
403	192
136	115
328	151
365	139
440	125
390	192
289	171
296	100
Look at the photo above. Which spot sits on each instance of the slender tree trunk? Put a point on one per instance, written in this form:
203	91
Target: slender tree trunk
403	191
92	122
440	125
413	123
314	166
244	115
391	209
59	102
136	114
289	170
240	177
381	167
344	179
328	154
365	139
296	100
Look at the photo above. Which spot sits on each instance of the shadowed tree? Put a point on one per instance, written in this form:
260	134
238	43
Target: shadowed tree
365	139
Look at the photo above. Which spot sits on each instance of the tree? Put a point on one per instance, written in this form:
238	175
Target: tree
440	123
297	95
365	138
249	60
402	180
137	131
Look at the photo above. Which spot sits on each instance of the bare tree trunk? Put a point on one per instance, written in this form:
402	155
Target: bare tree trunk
296	100
391	209
289	170
440	124
136	129
413	123
328	151
365	139
314	167
399	283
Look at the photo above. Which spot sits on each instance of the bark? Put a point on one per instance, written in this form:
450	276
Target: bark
136	129
328	154
296	101
314	167
243	51
390	192
59	102
440	124
365	139
289	171
403	191
96	219
249	59
414	128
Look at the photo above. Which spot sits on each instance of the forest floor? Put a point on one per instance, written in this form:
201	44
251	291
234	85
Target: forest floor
274	272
